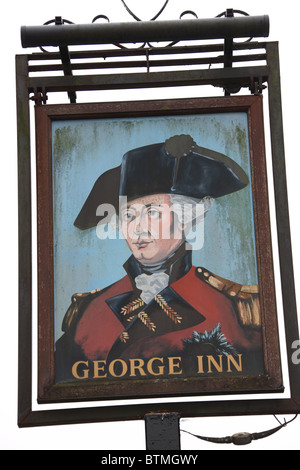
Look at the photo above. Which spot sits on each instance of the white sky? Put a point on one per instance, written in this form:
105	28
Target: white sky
284	25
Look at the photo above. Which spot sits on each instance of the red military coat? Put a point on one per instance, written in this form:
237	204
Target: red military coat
115	323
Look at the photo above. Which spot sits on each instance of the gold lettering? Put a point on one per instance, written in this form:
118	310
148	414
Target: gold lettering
111	368
238	366
160	368
200	365
212	360
173	365
136	364
155	366
75	370
97	368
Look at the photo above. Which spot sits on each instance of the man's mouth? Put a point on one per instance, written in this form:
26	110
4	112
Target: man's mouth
142	243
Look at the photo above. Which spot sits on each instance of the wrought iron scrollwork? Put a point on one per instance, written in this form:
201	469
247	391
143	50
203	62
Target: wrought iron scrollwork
188	12
139	19
102	17
106	18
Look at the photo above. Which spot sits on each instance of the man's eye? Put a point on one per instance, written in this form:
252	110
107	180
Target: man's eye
154	214
128	216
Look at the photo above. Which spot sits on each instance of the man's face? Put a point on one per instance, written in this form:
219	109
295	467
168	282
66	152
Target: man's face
150	229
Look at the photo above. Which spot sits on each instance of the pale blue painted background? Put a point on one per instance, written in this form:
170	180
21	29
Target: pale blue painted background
83	149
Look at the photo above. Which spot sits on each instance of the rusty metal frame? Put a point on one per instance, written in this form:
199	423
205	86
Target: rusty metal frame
230	79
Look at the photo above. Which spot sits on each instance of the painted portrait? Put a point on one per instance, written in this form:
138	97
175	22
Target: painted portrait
154	249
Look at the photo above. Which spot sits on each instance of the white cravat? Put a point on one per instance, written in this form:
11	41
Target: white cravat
151	285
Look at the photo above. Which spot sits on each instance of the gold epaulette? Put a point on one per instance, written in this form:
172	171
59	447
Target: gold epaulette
73	314
244	297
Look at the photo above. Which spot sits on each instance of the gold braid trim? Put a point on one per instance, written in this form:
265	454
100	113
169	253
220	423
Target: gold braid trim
249	311
146	320
134	305
244	298
167	309
129	319
73	313
124	336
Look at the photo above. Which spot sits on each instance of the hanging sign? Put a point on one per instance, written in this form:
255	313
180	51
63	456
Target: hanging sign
154	261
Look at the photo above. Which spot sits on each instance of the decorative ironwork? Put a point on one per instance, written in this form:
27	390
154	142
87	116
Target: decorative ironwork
231	12
188	12
57	21
152	19
60	21
225	13
149	50
147	45
102	17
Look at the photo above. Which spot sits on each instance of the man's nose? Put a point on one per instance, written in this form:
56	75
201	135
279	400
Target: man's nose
141	225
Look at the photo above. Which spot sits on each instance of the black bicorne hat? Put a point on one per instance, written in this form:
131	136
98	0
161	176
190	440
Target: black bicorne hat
177	166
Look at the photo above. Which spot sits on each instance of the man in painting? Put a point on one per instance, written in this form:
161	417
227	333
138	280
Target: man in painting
164	306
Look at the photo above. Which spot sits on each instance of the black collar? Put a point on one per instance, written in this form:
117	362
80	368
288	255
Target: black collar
176	266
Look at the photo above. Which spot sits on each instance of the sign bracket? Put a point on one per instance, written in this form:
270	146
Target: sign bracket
203	65
162	431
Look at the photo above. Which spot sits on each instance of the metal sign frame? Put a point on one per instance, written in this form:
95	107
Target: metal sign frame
231	79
